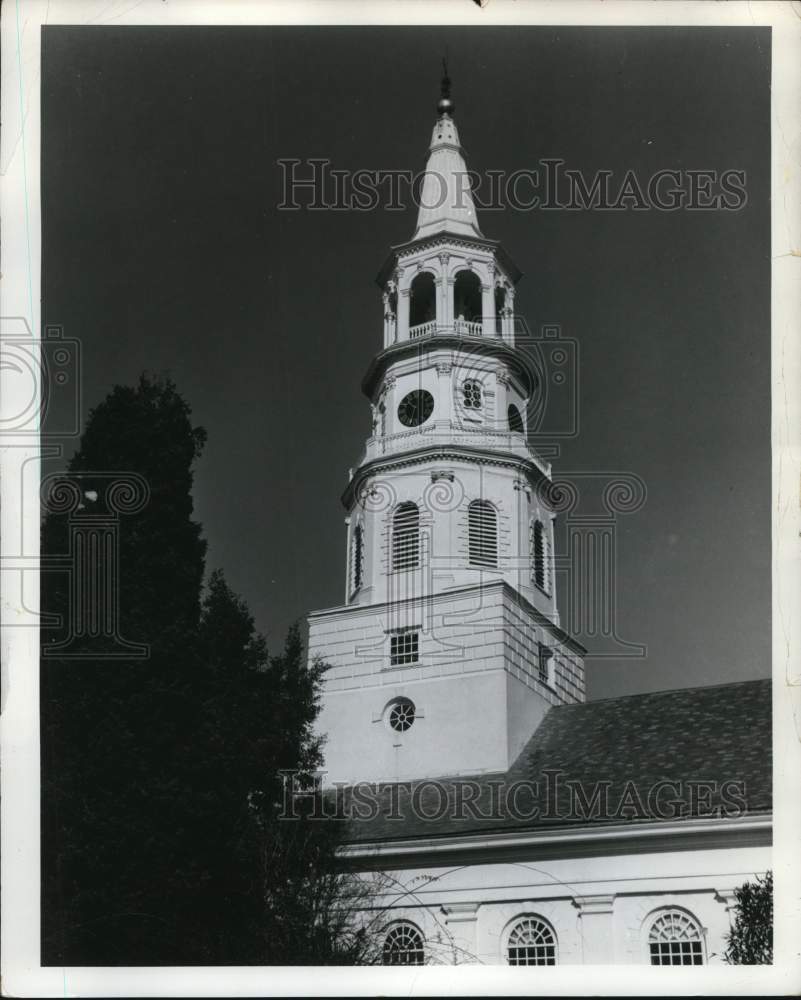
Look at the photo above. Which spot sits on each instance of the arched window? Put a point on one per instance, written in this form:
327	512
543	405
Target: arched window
540	556
531	942
482	523
500	305
467	305
423	300
357	558
675	939
471	394
404	945
406	537
514	418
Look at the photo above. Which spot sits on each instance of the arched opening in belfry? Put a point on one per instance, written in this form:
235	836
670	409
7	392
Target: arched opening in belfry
423	300
467	304
500	306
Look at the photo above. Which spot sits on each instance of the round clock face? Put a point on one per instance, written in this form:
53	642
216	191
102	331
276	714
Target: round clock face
415	408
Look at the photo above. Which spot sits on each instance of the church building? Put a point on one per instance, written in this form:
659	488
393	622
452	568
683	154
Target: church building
512	821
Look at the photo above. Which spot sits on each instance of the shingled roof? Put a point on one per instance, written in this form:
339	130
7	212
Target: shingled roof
665	756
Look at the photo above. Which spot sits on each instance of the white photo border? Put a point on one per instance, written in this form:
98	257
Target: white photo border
22	974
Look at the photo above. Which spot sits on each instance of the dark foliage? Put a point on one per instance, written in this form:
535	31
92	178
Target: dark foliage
160	776
750	941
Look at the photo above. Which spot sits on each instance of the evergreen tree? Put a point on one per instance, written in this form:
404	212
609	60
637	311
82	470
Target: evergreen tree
154	770
113	824
750	941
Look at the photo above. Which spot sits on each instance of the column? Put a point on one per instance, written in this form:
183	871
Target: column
449	283
403	313
445	394
487	311
442	292
508	324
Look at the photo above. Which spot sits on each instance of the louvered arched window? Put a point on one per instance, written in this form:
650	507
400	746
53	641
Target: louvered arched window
675	939
531	942
357	558
540	556
482	523
406	537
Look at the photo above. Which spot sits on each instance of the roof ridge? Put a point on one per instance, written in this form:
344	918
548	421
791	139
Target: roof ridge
647	694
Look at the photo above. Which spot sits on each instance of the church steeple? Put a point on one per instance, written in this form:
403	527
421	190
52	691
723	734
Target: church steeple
448	649
446	203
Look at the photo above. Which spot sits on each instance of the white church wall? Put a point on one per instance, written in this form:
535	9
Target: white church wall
600	908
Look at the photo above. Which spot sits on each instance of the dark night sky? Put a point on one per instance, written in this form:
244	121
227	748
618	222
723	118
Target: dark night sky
164	250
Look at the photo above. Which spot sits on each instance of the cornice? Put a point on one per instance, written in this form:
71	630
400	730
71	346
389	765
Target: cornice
449	453
447	596
485	346
583	841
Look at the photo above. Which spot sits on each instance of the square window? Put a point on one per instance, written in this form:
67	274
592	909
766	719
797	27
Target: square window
403	648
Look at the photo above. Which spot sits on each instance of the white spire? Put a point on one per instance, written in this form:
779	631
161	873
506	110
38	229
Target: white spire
446	204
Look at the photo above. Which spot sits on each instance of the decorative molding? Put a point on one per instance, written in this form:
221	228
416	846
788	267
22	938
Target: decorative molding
460	912
444	368
437	474
447	240
594	904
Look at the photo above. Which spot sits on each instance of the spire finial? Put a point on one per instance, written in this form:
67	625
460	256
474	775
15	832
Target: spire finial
445	105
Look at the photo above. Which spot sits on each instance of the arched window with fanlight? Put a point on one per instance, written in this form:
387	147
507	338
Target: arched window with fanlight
482	525
357	558
406	537
404	945
540	556
675	938
531	941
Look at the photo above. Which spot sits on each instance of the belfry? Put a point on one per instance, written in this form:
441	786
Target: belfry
447	651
